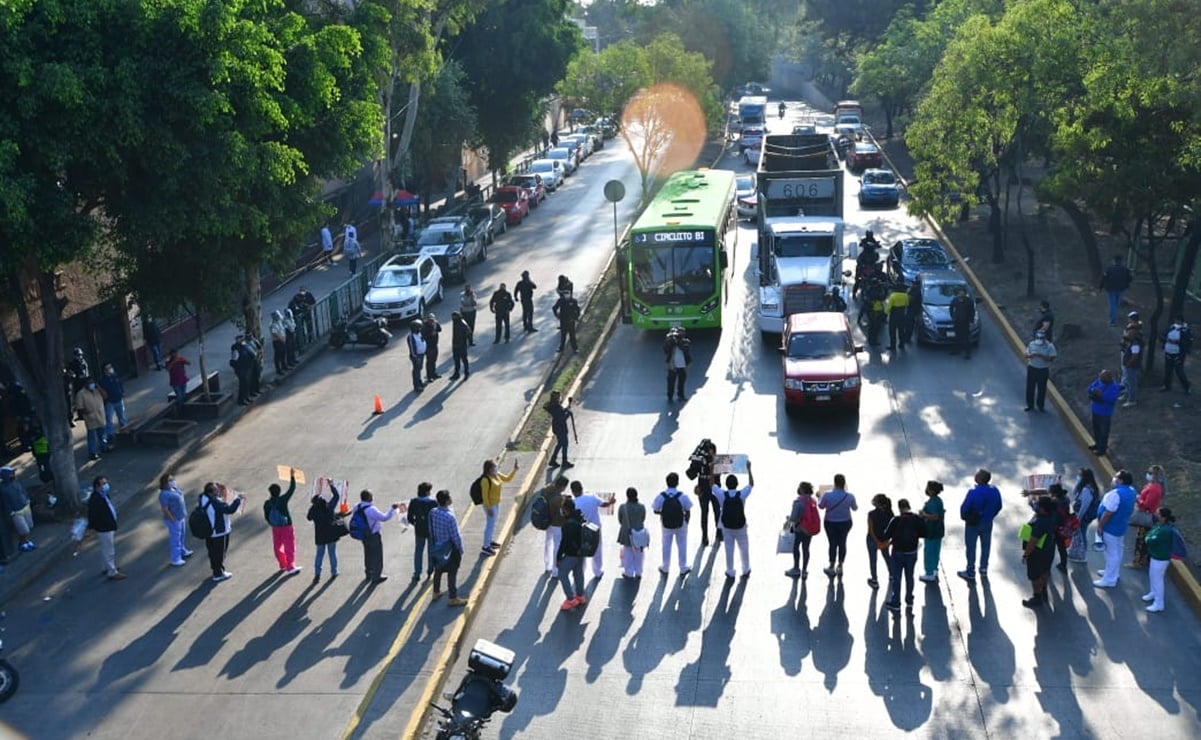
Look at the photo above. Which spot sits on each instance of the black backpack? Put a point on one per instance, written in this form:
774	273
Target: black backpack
589	539
419	510
477	491
672	513
733	515
540	512
199	524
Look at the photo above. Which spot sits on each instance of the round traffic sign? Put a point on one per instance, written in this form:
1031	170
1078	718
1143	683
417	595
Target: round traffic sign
614	191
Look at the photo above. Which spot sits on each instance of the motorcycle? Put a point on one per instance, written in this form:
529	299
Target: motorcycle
363	330
9	679
480	694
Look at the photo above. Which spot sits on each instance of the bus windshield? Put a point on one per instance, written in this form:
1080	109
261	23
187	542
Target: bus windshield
668	274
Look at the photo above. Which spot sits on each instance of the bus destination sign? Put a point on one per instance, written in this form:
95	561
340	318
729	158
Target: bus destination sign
687	237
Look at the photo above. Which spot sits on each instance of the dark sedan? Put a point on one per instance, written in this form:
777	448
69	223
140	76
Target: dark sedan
908	257
938	288
864	155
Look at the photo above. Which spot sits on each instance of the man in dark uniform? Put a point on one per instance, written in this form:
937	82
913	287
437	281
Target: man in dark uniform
460	338
567	311
242	361
302	310
429	332
963	310
559	415
501	305
524	290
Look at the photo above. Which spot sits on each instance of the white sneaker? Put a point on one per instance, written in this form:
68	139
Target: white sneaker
1154	609
223	577
1103	584
294	570
1148	598
178	563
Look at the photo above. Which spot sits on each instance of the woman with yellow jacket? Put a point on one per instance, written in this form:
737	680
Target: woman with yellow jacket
490	486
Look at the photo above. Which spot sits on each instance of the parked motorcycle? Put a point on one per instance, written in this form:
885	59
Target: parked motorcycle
9	679
363	330
481	693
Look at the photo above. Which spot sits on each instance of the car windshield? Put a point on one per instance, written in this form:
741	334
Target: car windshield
523	182
505	196
926	256
396	278
745	183
939	294
866	149
817	345
673	272
879	178
438	236
804	245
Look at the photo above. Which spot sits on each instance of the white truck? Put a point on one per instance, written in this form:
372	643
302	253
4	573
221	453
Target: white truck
800	248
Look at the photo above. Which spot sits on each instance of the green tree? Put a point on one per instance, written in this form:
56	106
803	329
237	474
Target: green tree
604	82
447	119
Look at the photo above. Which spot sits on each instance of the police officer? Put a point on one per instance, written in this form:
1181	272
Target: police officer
417	349
501	305
896	307
460	339
874	296
963	310
567	311
524	290
429	332
242	361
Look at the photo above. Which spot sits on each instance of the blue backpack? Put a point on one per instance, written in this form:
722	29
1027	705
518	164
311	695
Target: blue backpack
358	527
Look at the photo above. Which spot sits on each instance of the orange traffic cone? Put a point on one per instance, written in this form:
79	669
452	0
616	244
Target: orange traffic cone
379	406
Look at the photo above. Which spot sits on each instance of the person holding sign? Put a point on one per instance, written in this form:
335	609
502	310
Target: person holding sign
733	520
283	535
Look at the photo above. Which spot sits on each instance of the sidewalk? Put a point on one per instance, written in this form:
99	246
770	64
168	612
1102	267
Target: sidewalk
146	397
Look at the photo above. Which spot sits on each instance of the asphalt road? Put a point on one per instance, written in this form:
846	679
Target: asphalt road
166	653
706	657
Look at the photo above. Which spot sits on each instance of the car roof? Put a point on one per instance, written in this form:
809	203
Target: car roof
403	261
827	321
877	171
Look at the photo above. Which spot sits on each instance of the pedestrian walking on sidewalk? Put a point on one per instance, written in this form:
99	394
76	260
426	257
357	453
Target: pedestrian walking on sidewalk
326	533
283	534
1114	282
89	404
568	560
979	508
524	291
417	350
327	244
733	520
468	306
589	504
632	534
153	337
418	515
215	505
839	505
175	517
114	402
460	340
674	508
177	378
14	503
934	514
501	305
102	519
373	543
351	249
429	332
491	481
444	531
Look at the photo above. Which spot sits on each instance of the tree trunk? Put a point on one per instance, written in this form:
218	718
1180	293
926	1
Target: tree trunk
1029	264
56	413
252	303
1087	237
889	112
1152	268
1188	263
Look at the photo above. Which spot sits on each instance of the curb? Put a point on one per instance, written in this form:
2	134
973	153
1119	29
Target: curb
1181	574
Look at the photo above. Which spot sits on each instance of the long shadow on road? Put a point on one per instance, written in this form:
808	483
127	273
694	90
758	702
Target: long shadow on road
209	642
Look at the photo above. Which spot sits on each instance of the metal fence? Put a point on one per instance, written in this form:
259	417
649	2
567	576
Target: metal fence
345	300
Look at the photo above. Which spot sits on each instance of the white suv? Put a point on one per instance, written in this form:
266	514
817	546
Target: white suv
404	286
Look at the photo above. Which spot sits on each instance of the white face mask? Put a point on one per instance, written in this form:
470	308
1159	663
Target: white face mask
1150	477
1115	483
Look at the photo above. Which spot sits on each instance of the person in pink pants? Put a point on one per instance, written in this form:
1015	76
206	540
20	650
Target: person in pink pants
283	536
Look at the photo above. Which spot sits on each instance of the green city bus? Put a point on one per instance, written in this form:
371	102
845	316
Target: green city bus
676	255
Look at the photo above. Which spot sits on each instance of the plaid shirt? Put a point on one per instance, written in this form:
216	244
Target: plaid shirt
444	526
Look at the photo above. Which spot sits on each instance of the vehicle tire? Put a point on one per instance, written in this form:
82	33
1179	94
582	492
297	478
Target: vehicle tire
9	680
337	339
791	411
504	226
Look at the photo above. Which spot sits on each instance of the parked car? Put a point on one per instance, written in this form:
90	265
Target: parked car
938	288
404	286
551	171
908	257
564	156
879	187
864	155
821	362
452	245
583	140
532	184
748	200
493	214
514	201
752	153
597	134
608	126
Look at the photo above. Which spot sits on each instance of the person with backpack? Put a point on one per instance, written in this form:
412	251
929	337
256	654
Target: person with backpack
283	535
1085	501
934	514
419	516
547	514
632	534
1164	544
1114	282
902	535
216	511
326	531
806	522
568	559
365	521
674	508
489	484
444	533
839	505
1177	342
589	504
733	520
